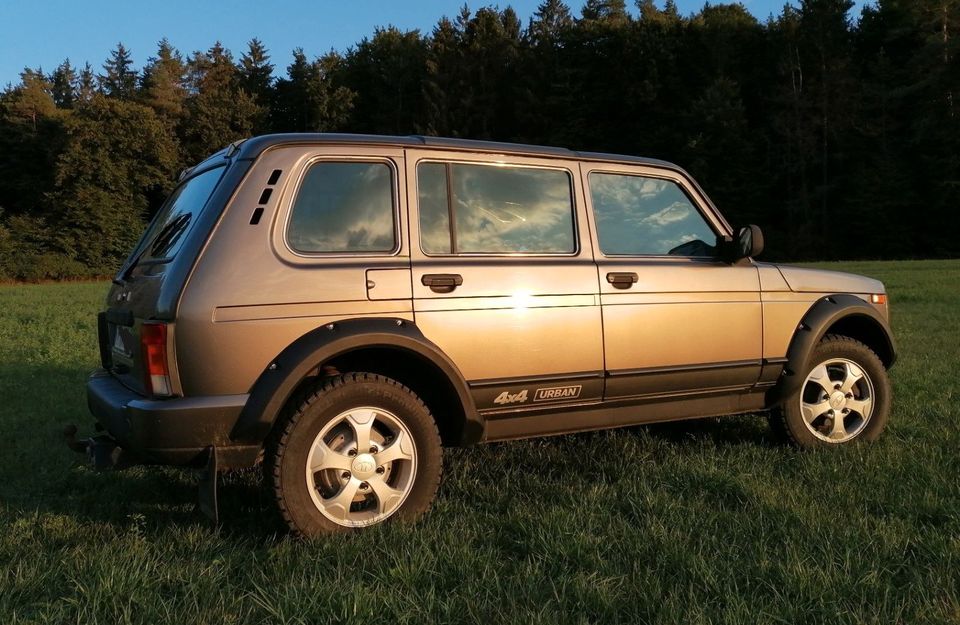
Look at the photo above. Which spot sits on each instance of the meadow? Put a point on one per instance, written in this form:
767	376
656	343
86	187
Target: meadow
711	521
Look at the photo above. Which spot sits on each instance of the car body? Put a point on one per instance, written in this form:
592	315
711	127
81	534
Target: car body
516	290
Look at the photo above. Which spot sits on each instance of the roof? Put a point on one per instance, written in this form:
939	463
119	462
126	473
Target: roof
253	147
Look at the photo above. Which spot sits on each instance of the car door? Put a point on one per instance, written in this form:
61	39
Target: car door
676	319
501	281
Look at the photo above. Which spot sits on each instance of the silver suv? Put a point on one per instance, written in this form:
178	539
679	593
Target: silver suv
343	306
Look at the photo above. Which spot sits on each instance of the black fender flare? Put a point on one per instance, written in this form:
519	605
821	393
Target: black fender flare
814	325
280	379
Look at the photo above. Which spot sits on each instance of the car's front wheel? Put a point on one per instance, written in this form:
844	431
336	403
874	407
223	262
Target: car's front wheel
845	397
357	450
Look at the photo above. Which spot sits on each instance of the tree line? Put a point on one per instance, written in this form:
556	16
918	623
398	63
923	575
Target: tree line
838	134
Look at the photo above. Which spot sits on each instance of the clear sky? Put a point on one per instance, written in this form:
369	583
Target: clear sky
44	32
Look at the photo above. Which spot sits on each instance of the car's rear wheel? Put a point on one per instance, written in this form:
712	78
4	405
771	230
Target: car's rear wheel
845	397
357	450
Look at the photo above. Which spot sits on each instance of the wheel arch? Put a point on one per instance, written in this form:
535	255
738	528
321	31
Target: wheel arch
843	314
392	347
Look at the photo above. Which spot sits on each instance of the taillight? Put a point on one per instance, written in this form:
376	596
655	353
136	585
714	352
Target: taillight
153	349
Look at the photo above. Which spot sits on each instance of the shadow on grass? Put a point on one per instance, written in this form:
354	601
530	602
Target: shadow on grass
156	498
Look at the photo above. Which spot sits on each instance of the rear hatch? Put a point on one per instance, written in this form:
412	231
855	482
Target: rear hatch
164	254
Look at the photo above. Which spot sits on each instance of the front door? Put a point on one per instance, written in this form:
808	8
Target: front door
504	280
676	319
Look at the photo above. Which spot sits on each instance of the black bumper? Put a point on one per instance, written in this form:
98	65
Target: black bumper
176	431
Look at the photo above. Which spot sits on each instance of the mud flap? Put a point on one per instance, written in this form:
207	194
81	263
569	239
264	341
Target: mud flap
207	487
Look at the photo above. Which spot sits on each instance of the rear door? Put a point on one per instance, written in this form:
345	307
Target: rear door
503	276
676	318
134	297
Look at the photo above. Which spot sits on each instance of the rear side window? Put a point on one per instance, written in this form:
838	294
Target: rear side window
344	207
489	209
641	216
169	228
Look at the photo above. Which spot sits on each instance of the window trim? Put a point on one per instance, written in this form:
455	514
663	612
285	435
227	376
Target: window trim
394	199
504	165
588	192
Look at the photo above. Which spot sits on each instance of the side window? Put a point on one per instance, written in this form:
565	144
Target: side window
640	216
344	207
468	208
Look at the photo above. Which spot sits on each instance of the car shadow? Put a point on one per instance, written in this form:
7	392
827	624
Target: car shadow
40	475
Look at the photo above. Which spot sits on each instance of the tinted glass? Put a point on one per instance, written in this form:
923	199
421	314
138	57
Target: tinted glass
169	228
495	209
434	216
647	216
344	207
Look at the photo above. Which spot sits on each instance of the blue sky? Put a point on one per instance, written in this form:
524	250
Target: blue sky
44	32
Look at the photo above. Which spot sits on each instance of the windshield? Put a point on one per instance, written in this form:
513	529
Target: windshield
166	233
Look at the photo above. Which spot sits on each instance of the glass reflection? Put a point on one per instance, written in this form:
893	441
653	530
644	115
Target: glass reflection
647	216
495	209
344	207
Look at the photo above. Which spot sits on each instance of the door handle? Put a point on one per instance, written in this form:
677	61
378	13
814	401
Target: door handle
442	282
622	279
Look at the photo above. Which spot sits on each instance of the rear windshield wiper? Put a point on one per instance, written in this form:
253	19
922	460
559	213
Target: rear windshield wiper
167	236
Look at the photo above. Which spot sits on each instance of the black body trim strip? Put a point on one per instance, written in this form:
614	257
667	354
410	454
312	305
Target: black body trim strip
710	366
587	375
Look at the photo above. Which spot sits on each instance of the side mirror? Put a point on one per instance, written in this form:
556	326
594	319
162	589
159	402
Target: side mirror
749	242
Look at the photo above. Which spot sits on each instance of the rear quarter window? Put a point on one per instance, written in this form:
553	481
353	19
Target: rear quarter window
344	207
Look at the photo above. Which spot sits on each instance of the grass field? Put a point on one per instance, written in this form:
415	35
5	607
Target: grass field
699	522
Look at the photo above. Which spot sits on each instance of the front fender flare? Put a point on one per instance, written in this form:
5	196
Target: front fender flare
280	379
814	325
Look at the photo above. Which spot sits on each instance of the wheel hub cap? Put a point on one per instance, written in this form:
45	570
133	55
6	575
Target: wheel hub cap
838	400
364	466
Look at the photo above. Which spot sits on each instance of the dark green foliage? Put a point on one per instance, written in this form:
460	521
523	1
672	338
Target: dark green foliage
221	112
117	158
839	134
306	100
163	84
256	79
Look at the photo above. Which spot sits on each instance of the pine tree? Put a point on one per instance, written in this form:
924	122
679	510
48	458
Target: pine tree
386	71
611	11
119	79
218	111
256	71
307	99
63	85
162	84
86	84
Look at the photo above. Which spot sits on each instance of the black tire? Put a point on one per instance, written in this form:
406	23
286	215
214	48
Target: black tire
787	420
290	447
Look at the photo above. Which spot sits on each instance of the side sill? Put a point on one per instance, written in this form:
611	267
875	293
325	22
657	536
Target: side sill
622	413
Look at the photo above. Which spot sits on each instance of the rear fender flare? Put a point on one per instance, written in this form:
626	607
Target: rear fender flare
280	379
814	325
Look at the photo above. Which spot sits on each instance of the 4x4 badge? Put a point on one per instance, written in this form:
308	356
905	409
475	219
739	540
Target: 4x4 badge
511	398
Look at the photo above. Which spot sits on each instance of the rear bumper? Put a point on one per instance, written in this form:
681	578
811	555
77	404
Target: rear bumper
175	431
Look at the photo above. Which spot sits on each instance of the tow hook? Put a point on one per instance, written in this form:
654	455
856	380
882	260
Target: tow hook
101	450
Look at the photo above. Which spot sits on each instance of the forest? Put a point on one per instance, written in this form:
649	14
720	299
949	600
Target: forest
838	133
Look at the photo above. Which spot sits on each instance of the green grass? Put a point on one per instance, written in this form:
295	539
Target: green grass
698	522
